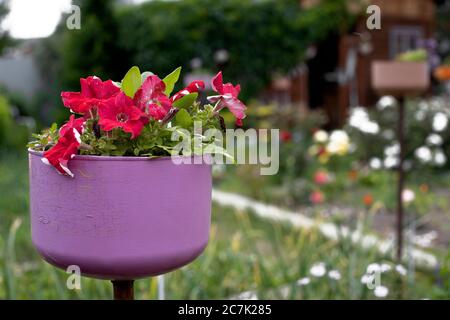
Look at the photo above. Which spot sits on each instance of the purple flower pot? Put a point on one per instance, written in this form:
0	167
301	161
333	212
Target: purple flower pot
120	217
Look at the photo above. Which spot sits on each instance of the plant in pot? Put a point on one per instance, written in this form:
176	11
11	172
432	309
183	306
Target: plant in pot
408	74
112	200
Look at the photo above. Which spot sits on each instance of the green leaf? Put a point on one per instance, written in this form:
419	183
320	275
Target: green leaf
145	75
131	82
213	148
186	101
170	80
183	119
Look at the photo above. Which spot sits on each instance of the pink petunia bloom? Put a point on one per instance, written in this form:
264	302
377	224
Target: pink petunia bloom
317	197
64	150
93	92
150	98
194	86
321	177
77	124
120	112
228	98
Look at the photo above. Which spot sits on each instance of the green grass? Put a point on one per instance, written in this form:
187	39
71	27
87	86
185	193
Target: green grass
244	253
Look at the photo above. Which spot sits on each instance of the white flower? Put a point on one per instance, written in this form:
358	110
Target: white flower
423	154
381	291
388	134
303	281
375	163
385	102
367	278
392	150
408	195
439	158
440	122
385	267
359	118
391	162
247	295
420	115
339	143
334	274
434	139
373	268
401	270
318	270
320	136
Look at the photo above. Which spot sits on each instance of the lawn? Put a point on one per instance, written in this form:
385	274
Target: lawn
245	254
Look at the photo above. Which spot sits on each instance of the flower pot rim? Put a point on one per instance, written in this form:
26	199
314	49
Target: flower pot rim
115	158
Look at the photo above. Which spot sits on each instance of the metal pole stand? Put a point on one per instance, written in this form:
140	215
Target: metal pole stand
401	176
123	289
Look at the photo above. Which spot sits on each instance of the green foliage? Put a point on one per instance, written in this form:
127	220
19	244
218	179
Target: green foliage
186	101
45	140
170	80
12	134
132	81
93	49
419	55
261	38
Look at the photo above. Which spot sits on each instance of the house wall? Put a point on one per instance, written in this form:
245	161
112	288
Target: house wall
19	74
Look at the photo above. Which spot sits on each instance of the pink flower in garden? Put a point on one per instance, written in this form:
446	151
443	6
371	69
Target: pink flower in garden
321	177
227	98
150	98
120	112
317	197
64	150
194	86
93	92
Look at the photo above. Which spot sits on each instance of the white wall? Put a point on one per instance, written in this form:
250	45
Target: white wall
19	74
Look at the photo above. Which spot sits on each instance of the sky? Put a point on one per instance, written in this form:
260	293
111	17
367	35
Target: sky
37	18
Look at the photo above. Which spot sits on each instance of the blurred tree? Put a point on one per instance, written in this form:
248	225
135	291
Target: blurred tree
257	38
5	40
93	49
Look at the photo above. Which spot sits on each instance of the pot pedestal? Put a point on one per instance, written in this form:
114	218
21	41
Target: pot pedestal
120	218
401	80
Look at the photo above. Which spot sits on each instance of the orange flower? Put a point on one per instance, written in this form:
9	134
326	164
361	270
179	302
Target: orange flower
442	73
368	199
353	175
424	188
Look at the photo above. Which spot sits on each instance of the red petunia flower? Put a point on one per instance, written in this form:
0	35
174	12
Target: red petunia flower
228	98
77	124
150	98
93	92
194	86
120	112
64	150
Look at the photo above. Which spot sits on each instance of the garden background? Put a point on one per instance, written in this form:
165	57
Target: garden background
323	225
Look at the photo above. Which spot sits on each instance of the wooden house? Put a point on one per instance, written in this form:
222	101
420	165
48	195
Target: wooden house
337	74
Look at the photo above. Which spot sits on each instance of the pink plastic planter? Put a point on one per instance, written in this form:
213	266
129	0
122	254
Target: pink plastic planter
120	217
400	78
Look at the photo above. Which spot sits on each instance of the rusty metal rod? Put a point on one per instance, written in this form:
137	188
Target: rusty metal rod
401	176
123	289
